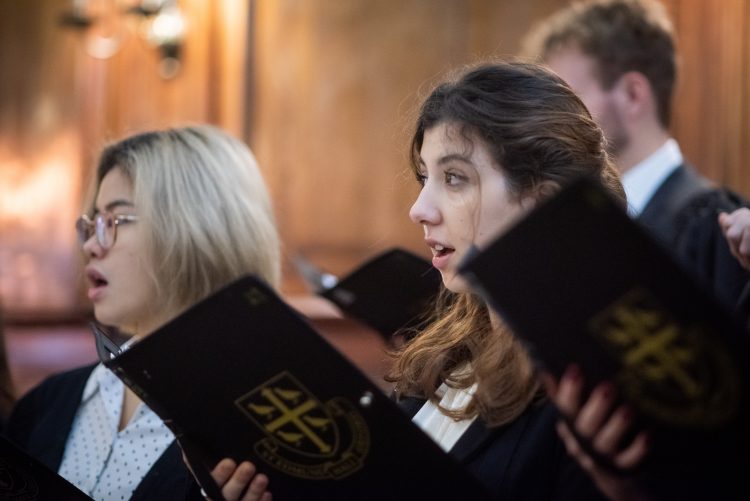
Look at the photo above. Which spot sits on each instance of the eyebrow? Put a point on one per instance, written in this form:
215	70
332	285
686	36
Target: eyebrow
450	157
114	204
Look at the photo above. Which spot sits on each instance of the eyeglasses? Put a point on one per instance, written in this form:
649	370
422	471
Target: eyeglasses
104	226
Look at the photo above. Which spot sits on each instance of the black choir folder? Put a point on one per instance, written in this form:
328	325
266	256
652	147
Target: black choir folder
579	282
388	292
23	478
242	375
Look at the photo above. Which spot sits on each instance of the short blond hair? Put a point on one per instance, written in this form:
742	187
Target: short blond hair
203	208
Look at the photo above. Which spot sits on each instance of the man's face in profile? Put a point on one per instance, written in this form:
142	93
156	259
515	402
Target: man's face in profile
579	71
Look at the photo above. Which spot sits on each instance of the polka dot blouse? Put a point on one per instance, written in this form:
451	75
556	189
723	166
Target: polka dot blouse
100	460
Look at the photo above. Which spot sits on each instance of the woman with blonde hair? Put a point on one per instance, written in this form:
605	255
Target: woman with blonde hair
176	215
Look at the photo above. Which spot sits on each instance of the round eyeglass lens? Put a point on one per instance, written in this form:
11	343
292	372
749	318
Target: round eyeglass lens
105	229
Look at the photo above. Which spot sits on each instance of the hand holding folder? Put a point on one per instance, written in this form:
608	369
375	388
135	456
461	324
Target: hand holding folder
580	283
242	375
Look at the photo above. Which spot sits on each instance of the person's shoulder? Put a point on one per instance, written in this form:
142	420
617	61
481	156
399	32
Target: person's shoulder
697	219
409	405
540	467
534	429
54	384
53	401
542	414
68	376
713	200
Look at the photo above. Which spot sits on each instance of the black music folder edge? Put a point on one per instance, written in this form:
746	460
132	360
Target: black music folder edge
579	282
24	478
390	292
242	375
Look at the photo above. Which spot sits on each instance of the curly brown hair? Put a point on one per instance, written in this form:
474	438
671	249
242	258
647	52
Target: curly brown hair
540	134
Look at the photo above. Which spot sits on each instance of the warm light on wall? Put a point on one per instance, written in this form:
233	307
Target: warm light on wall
105	25
39	201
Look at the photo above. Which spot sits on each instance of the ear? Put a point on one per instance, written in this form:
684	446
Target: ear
634	95
541	192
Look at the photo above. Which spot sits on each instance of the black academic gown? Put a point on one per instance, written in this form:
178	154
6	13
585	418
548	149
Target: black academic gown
524	460
42	420
683	215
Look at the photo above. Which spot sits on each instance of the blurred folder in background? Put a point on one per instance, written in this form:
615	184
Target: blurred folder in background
390	292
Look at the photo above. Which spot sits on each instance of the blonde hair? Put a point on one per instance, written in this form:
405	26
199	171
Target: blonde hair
203	209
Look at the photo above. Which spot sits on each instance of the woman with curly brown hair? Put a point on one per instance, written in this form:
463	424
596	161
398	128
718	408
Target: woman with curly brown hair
487	147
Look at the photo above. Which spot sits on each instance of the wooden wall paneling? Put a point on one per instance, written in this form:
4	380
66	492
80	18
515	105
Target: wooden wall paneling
208	88
229	60
333	88
59	105
707	108
141	99
336	84
690	124
738	175
39	161
404	47
741	172
498	28
733	26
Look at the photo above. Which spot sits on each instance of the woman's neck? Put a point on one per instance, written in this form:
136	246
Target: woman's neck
130	403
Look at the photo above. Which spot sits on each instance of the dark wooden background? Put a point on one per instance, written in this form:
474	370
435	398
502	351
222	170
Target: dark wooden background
324	91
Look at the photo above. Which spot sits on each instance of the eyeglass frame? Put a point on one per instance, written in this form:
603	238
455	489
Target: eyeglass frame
91	227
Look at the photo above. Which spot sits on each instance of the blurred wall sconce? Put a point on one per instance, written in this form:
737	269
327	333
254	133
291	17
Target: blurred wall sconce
105	26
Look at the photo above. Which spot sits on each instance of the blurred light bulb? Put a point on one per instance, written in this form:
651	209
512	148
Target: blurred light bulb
168	27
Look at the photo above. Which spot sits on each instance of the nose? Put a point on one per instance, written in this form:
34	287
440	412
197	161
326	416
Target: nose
92	249
424	211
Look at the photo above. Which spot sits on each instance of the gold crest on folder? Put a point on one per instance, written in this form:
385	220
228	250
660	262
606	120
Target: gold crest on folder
673	372
305	437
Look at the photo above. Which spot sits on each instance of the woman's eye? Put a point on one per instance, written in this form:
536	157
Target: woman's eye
421	179
452	179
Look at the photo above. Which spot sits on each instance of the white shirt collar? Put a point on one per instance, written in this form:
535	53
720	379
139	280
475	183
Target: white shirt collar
101	377
443	429
642	181
101	459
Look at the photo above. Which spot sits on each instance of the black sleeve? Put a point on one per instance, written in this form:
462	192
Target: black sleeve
702	248
40	421
168	478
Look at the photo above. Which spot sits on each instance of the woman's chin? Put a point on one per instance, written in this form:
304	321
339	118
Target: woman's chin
455	283
110	321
